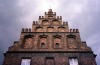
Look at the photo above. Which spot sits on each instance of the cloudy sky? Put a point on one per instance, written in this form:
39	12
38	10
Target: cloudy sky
81	14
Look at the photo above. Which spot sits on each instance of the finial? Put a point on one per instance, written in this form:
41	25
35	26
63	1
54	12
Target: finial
50	10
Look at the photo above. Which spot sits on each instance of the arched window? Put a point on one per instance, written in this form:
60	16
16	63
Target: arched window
57	45
42	45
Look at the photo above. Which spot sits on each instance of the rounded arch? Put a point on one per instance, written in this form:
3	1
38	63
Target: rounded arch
50	29
39	29
43	40
61	29
55	20
45	22
57	41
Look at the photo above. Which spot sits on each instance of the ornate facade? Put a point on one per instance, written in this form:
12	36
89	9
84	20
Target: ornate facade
49	42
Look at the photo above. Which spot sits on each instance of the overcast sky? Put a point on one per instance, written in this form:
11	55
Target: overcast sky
81	14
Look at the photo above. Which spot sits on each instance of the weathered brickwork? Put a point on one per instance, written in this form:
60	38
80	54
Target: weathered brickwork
60	58
49	42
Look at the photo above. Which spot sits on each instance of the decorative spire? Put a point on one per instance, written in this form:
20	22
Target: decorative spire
50	10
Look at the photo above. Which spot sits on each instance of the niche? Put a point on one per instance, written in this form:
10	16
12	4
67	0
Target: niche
43	39
39	29
71	39
28	43
57	42
50	29
45	22
61	29
55	22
